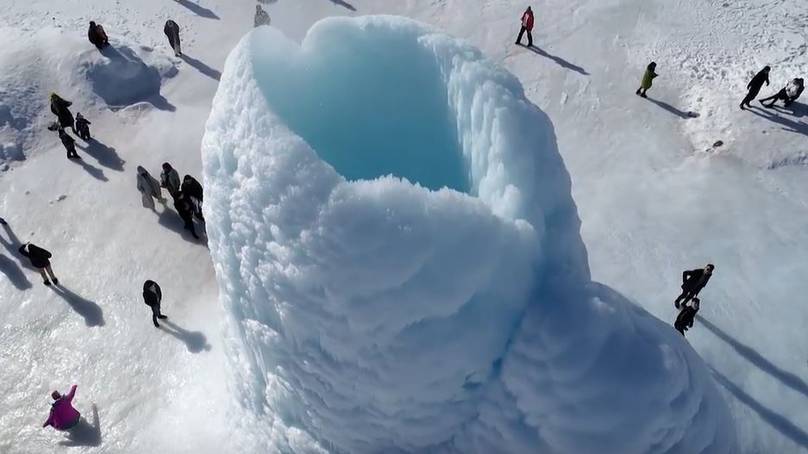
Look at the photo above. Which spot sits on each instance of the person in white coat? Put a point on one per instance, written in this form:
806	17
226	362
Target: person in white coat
149	188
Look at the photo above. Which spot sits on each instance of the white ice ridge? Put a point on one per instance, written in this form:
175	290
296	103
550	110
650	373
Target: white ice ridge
381	313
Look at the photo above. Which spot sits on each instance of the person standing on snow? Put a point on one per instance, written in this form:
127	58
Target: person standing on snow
149	188
97	35
788	94
40	259
172	32
69	143
62	414
152	296
261	16
755	85
3	221
685	318
61	108
647	79
527	26
185	208
82	127
692	283
170	180
193	190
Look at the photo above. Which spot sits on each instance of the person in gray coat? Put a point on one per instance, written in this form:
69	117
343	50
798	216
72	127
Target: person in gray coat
149	188
170	180
261	16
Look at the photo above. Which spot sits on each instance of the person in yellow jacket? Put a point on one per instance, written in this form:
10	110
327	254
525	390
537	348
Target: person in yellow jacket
647	79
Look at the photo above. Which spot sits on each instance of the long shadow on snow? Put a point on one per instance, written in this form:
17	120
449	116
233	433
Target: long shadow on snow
124	59
343	4
198	10
84	433
9	267
790	125
94	171
203	68
679	113
787	378
560	61
774	419
195	341
106	156
92	313
171	220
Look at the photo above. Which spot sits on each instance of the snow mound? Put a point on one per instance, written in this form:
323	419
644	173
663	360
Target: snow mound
377	315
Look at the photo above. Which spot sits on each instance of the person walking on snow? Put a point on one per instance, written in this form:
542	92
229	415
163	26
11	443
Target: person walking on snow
692	283
755	85
185	208
62	414
261	16
647	79
82	127
97	35
152	296
527	26
685	318
40	259
193	190
787	94
69	143
172	32
61	108
149	188
170	180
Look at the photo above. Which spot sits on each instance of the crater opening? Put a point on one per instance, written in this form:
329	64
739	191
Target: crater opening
369	105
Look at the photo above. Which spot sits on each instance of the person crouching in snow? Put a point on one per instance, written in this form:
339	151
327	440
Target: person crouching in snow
647	79
69	143
261	16
527	26
82	127
788	94
97	36
62	414
152	296
40	259
149	188
684	320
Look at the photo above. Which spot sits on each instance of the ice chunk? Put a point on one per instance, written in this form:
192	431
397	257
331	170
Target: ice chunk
379	313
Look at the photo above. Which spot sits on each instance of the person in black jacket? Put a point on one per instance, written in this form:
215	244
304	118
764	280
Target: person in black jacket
61	108
172	32
69	143
685	318
185	208
97	35
755	85
40	259
152	296
692	283
193	190
83	127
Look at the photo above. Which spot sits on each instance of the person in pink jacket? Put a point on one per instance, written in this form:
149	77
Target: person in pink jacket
62	414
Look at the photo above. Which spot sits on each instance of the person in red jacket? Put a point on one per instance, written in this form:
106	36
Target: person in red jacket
527	26
62	414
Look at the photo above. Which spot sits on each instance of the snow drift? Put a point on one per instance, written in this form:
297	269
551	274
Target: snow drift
381	311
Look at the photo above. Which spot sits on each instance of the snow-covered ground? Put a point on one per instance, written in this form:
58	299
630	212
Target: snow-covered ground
651	200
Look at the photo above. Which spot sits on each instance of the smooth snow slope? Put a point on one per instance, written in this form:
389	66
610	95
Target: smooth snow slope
638	172
380	316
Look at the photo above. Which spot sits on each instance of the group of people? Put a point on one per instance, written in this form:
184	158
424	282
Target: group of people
80	125
187	195
688	302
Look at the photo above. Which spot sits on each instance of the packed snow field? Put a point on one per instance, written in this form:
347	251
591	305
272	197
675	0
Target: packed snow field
389	314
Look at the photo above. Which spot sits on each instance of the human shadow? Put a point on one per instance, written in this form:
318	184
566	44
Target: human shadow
94	171
92	312
9	267
787	378
679	113
343	4
789	125
795	109
202	68
198	10
171	220
774	419
195	341
560	61
105	155
84	433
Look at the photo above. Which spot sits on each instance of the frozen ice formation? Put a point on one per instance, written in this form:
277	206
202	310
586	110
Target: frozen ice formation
399	253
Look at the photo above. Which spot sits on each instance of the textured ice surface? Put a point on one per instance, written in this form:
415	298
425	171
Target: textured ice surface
380	315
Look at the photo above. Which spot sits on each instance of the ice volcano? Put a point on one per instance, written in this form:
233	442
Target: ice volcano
399	252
